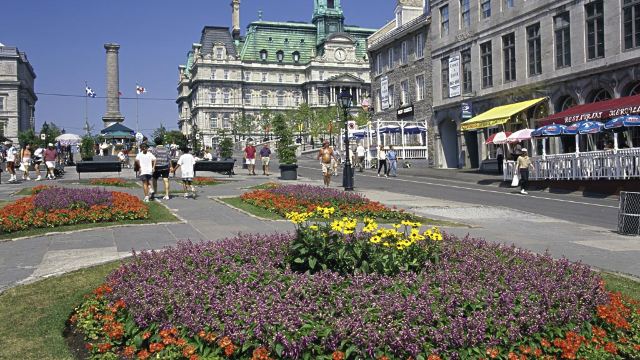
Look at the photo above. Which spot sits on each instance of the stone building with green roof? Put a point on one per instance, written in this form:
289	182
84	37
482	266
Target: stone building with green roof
274	65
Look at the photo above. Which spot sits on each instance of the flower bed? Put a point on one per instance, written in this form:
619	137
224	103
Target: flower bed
300	198
56	206
242	298
110	182
205	181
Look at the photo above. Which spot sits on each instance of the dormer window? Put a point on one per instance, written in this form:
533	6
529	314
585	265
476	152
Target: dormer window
219	53
296	57
263	55
331	4
280	56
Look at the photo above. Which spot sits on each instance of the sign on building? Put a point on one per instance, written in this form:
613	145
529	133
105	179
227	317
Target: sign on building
467	111
454	76
384	92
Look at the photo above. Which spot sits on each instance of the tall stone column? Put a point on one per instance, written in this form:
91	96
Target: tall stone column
113	114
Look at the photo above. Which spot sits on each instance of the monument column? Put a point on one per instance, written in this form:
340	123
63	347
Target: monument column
113	114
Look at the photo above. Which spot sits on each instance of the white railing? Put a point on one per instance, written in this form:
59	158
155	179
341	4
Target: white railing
594	165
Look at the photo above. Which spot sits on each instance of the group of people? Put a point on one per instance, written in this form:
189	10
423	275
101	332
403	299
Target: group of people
250	153
329	158
156	164
26	158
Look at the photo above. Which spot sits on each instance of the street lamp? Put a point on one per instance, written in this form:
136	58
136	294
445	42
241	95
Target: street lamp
347	173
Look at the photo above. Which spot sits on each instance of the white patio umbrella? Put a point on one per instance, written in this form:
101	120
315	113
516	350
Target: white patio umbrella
500	138
520	135
68	139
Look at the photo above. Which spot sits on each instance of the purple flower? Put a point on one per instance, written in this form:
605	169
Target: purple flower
69	198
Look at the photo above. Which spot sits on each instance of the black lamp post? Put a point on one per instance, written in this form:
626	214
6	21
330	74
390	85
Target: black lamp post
347	173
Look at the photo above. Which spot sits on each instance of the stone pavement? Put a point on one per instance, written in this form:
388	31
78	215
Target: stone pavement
29	259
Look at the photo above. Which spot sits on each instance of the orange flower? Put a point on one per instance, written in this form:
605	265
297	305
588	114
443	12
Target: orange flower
143	355
229	349
188	350
337	355
129	351
611	348
146	335
260	353
434	357
545	343
156	347
493	352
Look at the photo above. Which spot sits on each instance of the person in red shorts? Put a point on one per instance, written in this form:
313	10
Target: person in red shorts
250	156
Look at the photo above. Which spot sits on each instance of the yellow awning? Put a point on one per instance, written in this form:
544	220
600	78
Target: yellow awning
498	115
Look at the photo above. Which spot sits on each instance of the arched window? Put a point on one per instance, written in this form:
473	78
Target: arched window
599	95
263	55
264	98
297	97
226	96
296	57
633	89
280	96
564	103
280	55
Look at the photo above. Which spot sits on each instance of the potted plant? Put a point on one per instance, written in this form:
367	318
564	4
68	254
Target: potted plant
286	148
87	148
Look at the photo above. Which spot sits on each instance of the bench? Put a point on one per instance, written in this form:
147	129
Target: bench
98	166
219	166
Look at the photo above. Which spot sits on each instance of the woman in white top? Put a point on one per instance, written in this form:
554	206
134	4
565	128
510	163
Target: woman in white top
382	160
25	158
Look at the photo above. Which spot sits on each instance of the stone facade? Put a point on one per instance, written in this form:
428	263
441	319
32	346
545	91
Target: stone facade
275	66
112	114
17	95
400	53
552	57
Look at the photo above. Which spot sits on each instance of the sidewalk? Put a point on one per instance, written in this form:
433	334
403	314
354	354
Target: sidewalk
27	260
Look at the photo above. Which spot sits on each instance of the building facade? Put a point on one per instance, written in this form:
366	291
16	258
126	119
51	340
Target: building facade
230	79
17	95
400	56
487	53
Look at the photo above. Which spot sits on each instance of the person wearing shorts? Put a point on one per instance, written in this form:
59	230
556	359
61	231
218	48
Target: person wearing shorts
50	156
11	160
326	155
146	162
38	158
187	162
250	156
25	161
265	154
163	166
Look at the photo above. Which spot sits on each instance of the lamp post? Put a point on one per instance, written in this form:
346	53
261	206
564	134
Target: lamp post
347	173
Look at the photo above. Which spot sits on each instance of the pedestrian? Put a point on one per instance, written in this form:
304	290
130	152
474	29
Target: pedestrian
250	156
207	155
145	162
335	162
265	157
186	162
326	155
382	160
50	156
38	158
523	163
500	159
392	158
25	161
517	151
163	166
11	160
360	152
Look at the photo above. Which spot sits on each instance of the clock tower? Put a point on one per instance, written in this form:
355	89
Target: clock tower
328	19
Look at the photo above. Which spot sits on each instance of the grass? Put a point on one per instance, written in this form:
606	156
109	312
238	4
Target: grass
263	186
266	214
157	214
34	315
24	192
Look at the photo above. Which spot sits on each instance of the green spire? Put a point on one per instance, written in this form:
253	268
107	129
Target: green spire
328	18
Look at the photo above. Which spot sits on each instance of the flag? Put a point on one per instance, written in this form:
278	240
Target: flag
140	90
90	92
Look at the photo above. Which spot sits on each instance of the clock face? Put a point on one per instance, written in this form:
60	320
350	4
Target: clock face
340	54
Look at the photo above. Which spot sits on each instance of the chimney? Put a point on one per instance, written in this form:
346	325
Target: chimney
235	19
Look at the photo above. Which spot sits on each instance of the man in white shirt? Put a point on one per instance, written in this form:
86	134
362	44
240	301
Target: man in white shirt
38	158
360	152
187	163
12	152
146	162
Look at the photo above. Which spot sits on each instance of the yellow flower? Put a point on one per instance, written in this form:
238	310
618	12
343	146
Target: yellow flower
397	226
336	225
375	239
386	244
314	227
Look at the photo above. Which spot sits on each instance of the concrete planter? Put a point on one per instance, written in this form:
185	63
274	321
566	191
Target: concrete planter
288	172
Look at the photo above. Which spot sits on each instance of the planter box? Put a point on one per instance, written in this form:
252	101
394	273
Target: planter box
98	166
220	166
288	172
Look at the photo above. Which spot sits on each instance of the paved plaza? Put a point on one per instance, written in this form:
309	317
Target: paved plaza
29	259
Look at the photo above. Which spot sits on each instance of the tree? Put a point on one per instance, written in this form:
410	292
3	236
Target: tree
176	137
87	147
244	124
226	145
51	131
28	137
160	132
285	146
362	118
265	120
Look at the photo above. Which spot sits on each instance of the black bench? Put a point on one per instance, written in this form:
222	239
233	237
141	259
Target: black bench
98	166
219	166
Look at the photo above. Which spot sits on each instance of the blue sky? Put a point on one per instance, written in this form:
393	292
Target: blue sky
64	42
